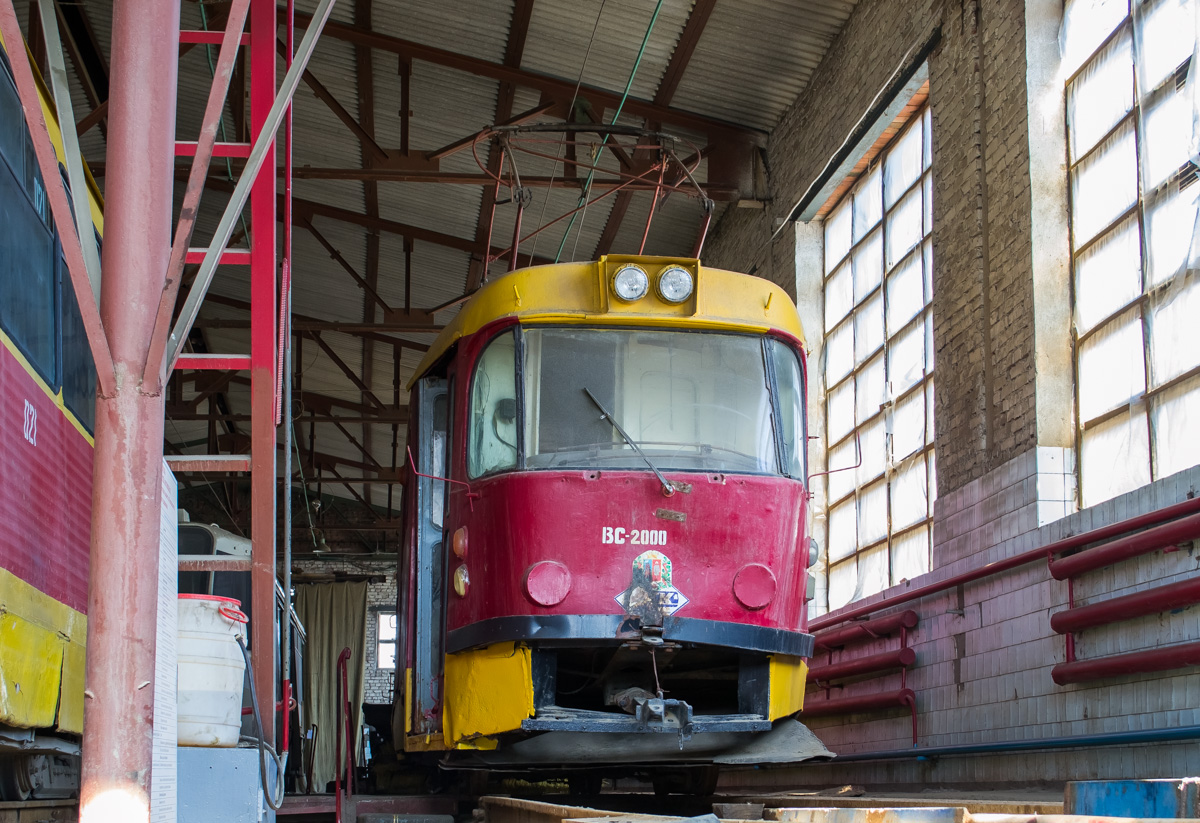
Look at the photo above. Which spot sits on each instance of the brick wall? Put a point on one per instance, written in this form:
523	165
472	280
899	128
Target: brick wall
983	277
985	650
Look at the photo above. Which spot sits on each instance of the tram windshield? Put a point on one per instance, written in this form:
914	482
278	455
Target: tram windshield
688	400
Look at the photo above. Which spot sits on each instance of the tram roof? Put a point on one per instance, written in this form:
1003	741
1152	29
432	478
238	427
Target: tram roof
579	294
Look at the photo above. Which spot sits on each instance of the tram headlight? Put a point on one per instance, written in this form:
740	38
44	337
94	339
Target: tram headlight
462	581
459	543
675	284
630	283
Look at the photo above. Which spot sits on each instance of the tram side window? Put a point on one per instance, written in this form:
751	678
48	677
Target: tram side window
789	380
78	369
493	424
27	282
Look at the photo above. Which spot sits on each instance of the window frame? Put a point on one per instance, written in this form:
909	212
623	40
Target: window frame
394	642
879	356
1140	406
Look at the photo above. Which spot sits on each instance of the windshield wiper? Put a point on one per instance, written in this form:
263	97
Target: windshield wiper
667	488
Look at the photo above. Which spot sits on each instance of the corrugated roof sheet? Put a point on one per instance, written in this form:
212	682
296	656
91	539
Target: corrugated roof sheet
751	61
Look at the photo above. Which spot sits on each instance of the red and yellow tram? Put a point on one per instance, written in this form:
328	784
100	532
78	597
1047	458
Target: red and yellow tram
606	546
47	406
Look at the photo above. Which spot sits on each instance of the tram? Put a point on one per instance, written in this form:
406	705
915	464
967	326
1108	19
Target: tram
47	415
606	551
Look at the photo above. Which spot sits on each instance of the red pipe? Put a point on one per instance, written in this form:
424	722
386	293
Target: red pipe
1160	537
863	665
1116	609
343	701
1186	507
1157	660
867	630
860	703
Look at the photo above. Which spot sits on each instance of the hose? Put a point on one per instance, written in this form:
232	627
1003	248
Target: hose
263	746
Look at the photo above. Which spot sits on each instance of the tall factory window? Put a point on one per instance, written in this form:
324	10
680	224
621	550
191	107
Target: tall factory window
1131	103
385	650
878	371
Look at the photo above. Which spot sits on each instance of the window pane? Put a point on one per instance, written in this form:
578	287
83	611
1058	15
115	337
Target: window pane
1116	458
929	429
838	296
790	383
874	445
78	368
387	626
904	227
1111	366
872	389
843	581
908	426
1170	225
674	393
27	277
492	443
1100	96
1104	185
1168	37
1175	332
1176	418
927	188
1166	134
839	353
927	127
840	414
903	164
868	328
906	359
1086	23
841	465
872	513
868	203
868	266
873	571
905	294
1108	275
837	234
910	490
386	655
910	555
843	535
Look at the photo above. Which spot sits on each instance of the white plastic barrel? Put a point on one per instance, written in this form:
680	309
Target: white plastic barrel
211	670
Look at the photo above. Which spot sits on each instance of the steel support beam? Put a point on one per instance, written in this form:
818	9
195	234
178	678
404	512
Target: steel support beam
554	86
126	517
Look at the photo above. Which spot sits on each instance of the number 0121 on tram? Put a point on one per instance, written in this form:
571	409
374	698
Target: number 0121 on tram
606	518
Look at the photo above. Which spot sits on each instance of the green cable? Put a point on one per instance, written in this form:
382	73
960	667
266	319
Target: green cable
587	185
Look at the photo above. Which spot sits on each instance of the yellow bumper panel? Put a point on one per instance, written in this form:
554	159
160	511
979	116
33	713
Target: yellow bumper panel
41	658
788	677
488	691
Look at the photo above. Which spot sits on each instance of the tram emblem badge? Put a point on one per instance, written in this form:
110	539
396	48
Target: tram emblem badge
651	594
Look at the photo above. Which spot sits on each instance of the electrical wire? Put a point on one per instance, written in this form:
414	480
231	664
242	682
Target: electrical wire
570	114
587	186
263	747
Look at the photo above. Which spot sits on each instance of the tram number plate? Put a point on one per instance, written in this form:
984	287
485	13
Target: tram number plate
637	537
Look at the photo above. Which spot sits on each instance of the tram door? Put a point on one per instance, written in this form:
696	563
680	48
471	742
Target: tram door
429	613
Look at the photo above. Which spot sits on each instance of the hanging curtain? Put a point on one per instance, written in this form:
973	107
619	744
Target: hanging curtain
335	617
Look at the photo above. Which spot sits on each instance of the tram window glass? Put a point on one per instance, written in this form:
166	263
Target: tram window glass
1130	101
12	131
789	381
385	647
78	368
492	440
878	371
27	272
690	400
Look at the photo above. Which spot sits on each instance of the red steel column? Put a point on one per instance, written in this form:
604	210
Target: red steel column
262	367
123	590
